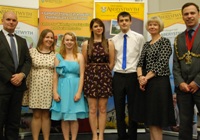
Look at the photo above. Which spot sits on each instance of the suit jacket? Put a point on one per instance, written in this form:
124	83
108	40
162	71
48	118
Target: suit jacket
186	72
7	68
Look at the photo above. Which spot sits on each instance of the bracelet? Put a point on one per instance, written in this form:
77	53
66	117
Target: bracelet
139	76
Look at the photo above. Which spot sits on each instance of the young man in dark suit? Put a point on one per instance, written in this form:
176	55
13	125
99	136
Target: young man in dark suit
186	69
15	64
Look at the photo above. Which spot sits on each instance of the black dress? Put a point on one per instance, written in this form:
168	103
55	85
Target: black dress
157	104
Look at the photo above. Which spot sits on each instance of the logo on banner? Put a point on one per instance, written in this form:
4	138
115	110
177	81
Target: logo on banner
103	9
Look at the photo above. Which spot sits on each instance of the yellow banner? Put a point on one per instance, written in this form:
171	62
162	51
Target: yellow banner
62	3
110	10
66	15
25	15
169	17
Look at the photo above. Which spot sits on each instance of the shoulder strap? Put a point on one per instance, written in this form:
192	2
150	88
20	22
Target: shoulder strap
88	46
60	58
88	53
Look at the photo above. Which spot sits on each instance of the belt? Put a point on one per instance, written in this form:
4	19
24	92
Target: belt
127	74
97	63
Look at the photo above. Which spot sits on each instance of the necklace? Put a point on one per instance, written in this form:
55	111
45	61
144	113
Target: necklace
43	50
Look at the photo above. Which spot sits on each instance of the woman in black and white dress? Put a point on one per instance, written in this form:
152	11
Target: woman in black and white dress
158	104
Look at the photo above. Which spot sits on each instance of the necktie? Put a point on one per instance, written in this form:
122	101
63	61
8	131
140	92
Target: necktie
13	50
190	33
124	52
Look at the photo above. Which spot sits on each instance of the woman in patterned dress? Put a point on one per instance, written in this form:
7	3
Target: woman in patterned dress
40	81
99	58
155	82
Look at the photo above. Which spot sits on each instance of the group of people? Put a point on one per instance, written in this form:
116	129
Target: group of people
72	85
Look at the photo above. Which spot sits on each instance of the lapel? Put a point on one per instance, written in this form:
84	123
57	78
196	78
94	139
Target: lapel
196	42
182	42
5	43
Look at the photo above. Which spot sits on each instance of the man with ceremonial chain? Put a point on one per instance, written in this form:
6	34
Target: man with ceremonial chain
186	69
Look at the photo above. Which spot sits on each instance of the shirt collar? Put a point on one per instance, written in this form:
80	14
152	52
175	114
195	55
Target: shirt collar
127	33
194	28
6	32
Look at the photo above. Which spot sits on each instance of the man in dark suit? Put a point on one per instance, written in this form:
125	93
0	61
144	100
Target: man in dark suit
186	69
13	71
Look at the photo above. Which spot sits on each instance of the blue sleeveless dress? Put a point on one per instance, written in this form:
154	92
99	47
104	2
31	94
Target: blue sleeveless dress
68	83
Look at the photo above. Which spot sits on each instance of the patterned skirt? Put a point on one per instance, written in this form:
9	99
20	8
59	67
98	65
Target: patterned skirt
98	81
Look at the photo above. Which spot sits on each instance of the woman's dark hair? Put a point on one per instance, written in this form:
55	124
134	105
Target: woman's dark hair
124	14
103	39
42	36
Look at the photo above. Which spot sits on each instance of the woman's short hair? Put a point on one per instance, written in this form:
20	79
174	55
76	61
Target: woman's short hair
155	19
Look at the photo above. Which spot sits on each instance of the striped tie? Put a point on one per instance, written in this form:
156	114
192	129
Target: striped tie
13	50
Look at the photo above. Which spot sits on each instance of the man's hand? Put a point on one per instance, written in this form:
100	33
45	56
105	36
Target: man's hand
193	87
184	87
16	79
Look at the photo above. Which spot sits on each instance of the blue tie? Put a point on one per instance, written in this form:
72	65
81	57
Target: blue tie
13	50
124	53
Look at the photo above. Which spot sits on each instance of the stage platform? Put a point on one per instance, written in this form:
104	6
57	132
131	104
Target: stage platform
143	134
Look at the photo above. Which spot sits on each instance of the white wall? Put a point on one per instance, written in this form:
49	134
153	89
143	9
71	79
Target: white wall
152	5
165	5
21	3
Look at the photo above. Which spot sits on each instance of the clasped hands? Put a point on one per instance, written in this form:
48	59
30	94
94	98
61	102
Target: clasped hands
142	81
192	87
16	79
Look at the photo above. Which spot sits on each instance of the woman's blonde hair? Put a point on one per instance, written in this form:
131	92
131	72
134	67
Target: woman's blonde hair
157	20
63	48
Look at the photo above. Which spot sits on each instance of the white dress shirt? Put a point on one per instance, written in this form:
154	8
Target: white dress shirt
8	39
135	42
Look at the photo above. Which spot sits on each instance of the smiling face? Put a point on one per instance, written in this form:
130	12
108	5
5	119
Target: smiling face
97	28
48	40
9	21
190	16
68	41
153	28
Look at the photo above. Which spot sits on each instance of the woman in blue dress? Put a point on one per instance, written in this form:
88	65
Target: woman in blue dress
68	100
